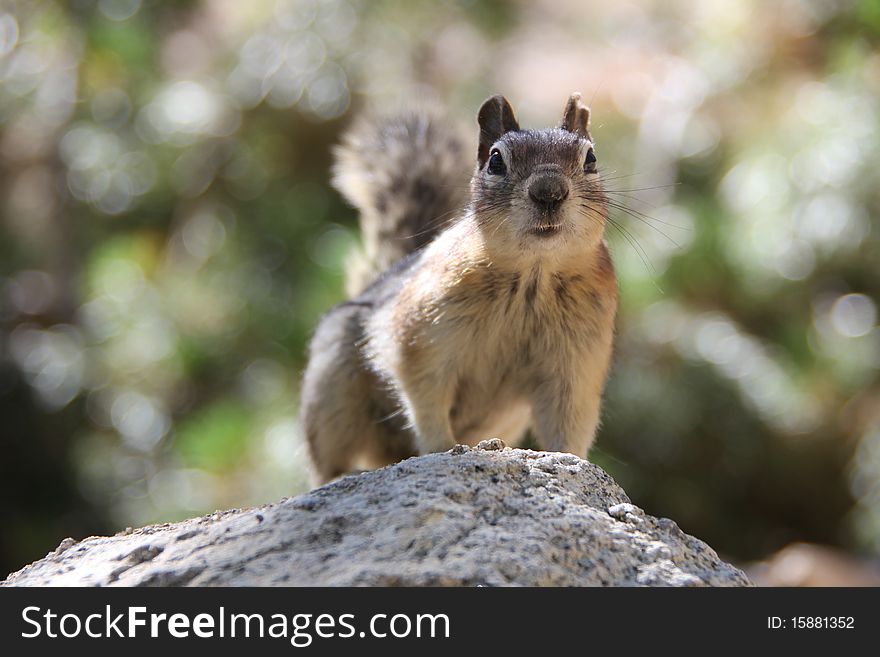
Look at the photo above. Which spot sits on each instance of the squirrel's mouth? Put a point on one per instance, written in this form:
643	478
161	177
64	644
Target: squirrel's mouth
545	230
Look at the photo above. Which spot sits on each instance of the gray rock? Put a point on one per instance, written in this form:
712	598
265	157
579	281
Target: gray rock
487	516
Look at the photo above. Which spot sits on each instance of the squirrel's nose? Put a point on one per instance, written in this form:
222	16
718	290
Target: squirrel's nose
548	190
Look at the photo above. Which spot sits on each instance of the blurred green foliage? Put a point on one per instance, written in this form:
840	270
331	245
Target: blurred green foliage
169	239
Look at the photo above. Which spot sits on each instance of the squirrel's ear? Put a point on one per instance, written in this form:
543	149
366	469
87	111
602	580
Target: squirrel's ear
495	118
576	116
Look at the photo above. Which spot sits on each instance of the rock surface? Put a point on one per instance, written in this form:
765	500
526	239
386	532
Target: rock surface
489	516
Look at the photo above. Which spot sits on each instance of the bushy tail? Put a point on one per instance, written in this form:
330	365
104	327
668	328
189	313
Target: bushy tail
407	175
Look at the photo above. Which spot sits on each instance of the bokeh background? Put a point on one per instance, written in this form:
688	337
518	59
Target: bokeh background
169	239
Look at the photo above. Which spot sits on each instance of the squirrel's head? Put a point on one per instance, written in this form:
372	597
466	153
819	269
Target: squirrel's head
537	189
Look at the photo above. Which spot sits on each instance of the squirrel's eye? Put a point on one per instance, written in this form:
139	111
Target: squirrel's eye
590	162
496	164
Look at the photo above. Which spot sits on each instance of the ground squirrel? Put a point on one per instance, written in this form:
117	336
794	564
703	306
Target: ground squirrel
495	310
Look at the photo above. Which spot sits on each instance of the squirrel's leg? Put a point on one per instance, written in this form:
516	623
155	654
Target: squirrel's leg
566	415
428	402
342	408
337	422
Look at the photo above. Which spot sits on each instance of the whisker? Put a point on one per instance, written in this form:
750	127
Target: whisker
645	189
645	219
636	214
396	413
630	238
431	225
